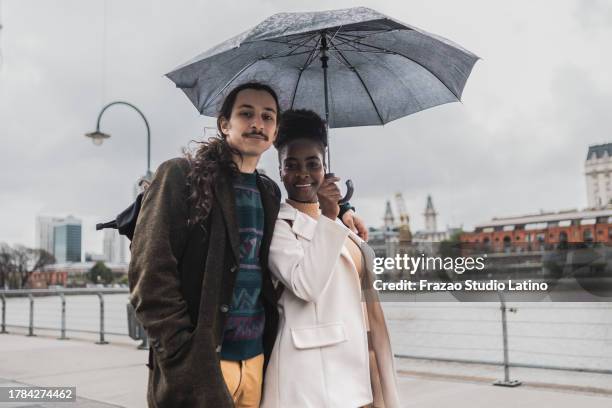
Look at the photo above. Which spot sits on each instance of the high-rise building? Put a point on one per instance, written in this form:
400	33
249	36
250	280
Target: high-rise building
115	247
44	232
67	240
598	172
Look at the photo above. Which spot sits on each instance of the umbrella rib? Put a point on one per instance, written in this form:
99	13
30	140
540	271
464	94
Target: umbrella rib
345	41
352	68
357	50
313	54
297	83
336	33
297	46
284	55
303	44
309	61
278	55
361	37
408	58
297	37
249	65
349	42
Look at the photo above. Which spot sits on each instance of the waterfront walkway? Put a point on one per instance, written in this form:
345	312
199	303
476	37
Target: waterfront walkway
114	375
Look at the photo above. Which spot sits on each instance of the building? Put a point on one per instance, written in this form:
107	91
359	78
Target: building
385	239
394	237
115	246
42	279
541	231
431	234
44	232
430	215
546	230
61	237
93	257
73	274
67	240
598	172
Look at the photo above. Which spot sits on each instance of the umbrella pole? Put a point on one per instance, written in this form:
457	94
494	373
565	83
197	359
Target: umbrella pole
324	58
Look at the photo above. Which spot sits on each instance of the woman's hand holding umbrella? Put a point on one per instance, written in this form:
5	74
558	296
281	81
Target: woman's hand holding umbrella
329	195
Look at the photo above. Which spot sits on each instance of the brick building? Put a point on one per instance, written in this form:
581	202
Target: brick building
542	231
74	274
43	279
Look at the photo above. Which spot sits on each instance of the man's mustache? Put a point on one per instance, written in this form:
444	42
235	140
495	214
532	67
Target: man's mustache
255	134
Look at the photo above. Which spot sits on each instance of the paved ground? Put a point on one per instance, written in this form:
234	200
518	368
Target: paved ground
115	375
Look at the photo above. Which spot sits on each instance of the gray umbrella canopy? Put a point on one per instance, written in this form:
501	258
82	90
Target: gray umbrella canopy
356	66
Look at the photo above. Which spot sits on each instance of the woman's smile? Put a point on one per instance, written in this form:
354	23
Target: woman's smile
302	170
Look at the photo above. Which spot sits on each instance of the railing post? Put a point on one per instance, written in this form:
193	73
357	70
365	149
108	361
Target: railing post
101	341
31	327
3	329
506	382
63	330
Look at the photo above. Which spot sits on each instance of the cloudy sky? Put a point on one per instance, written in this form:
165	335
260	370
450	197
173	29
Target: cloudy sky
517	144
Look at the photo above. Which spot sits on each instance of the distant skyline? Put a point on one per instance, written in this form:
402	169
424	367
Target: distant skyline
61	237
516	144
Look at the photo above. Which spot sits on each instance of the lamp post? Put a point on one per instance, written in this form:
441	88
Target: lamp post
97	137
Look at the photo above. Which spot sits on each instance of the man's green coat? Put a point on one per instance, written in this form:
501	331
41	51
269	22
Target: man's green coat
181	282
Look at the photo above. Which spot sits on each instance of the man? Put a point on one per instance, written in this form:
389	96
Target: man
198	276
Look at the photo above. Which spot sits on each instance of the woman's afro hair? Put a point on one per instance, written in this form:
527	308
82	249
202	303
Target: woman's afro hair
301	124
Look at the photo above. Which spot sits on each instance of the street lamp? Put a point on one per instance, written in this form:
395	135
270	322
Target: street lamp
97	137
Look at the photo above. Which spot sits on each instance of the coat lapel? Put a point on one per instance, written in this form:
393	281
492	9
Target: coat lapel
224	193
271	205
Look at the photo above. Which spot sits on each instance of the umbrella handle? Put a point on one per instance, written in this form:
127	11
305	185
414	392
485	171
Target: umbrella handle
350	189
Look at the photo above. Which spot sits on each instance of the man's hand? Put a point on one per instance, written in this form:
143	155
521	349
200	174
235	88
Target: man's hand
356	224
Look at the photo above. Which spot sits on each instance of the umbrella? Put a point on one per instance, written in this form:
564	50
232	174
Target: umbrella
355	67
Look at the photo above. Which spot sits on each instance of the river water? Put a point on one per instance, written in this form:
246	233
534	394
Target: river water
574	335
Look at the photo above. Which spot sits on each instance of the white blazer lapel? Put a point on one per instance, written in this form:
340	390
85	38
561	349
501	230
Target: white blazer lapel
301	224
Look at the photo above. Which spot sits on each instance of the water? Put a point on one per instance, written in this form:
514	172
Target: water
82	312
576	335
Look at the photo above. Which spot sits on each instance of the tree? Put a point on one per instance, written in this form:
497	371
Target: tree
100	273
17	264
29	260
6	265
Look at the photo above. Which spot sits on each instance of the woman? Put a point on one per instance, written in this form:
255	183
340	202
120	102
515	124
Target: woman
323	355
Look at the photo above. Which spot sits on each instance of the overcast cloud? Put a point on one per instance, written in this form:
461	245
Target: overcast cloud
517	144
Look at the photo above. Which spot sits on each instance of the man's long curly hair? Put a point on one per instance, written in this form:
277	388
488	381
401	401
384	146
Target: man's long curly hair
215	155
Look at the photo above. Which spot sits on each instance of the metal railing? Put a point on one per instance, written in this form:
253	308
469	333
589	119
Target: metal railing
574	337
136	332
576	342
